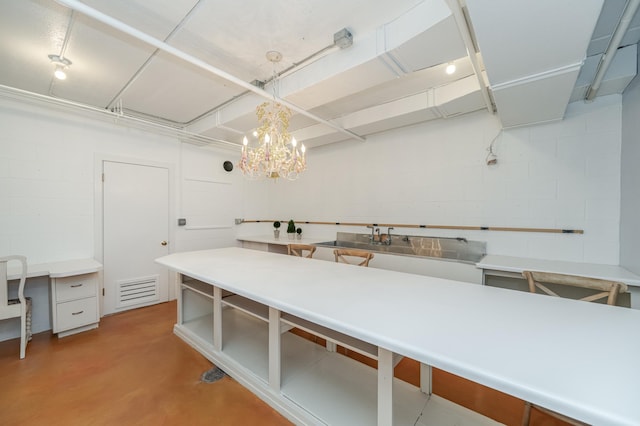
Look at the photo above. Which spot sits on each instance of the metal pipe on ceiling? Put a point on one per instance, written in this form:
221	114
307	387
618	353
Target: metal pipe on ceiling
144	66
121	26
162	129
605	61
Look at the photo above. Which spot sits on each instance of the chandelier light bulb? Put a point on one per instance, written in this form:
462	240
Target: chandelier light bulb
302	148
245	141
294	142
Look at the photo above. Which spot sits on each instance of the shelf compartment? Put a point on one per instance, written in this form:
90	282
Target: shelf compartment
339	390
197	286
251	307
344	340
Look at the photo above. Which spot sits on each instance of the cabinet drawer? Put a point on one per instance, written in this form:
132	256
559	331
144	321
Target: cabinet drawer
76	313
77	287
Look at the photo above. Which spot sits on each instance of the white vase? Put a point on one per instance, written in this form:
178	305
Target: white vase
276	233
291	235
298	236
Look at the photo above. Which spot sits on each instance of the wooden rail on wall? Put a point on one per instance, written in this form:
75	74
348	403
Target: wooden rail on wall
404	225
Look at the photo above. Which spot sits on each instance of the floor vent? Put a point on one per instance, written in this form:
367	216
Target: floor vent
137	291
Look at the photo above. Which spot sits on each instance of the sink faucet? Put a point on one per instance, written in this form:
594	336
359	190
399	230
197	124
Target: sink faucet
388	240
372	237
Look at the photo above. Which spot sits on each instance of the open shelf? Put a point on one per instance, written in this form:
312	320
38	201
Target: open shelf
348	342
197	286
251	307
316	386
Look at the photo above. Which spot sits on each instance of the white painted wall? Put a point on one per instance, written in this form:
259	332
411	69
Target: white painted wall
630	182
559	175
48	182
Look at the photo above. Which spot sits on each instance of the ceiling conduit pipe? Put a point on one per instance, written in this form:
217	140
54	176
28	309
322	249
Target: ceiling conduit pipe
121	26
605	61
14	93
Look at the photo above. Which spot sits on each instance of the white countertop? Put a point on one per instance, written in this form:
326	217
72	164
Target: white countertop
283	240
60	269
577	358
519	264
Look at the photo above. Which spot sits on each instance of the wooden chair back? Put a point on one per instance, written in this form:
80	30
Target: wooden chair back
301	250
603	288
347	256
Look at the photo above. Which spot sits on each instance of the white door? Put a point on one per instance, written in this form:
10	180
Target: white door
135	232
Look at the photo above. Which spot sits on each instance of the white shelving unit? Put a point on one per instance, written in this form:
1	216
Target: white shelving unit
302	380
462	328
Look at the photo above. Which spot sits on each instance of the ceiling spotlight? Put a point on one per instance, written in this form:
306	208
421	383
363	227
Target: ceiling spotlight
59	73
451	68
60	63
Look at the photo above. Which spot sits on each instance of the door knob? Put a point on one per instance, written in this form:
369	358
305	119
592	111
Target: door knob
164	243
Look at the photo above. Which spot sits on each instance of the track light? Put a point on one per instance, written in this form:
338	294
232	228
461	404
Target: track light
451	68
61	64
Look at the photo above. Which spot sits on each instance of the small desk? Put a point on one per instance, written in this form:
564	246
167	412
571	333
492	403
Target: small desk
472	331
512	267
74	297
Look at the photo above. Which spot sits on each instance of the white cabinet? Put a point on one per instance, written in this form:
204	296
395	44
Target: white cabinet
74	303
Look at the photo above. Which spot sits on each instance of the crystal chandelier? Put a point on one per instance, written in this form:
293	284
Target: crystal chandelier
277	154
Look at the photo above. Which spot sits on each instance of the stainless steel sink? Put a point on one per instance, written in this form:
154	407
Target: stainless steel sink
451	249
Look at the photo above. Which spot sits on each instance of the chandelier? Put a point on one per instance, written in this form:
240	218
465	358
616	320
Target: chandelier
277	154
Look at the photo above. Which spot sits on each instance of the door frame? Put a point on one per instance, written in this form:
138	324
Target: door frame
98	210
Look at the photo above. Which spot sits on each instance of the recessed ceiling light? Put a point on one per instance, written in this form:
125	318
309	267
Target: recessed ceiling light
451	68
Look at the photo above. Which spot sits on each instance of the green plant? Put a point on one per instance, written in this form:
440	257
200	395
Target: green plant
299	231
276	224
291	227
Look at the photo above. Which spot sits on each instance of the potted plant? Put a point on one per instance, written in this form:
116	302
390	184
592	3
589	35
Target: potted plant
291	229
299	232
276	229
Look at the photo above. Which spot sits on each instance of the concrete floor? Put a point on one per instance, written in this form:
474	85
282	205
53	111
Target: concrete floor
133	370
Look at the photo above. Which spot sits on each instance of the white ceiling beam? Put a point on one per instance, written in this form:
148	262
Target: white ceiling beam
121	26
465	33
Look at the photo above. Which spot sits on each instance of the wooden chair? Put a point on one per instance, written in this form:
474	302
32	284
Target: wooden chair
347	255
300	249
603	288
12	308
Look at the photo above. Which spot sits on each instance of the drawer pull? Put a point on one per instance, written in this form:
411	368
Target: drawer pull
77	313
76	285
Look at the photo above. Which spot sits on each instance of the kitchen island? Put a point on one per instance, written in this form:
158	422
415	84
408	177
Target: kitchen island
515	342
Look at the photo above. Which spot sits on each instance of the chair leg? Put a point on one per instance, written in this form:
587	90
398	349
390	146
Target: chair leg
23	334
527	414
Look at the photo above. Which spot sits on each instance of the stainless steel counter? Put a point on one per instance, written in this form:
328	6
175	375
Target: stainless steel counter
451	249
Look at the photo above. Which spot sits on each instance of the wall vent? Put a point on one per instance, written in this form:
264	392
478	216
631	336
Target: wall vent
138	291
